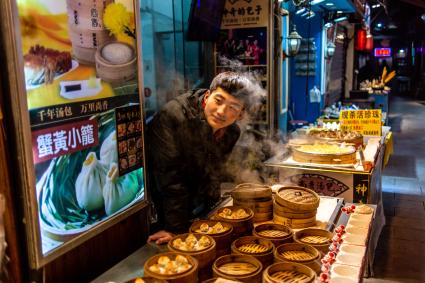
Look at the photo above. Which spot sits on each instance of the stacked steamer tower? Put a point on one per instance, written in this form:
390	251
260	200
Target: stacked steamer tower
86	28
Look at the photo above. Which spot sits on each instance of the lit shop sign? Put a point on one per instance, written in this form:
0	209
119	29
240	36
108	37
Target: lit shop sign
382	52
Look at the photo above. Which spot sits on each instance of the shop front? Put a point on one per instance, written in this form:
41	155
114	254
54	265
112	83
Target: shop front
82	82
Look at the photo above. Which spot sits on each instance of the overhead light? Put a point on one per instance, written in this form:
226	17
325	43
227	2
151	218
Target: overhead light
423	17
339	12
376	6
329	4
300	11
378	25
340	19
314	2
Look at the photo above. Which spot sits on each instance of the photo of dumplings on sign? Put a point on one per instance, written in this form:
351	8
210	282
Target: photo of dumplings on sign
79	184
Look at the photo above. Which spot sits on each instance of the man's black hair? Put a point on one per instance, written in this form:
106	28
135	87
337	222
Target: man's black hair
236	84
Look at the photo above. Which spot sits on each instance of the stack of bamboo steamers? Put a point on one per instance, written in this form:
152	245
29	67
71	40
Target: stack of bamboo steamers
256	197
295	207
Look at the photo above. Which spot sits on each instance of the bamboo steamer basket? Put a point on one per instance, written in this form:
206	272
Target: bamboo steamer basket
289	196
301	215
115	73
282	272
189	276
146	280
249	191
205	257
308	255
325	234
244	268
222	240
241	227
257	197
295	223
357	141
220	280
323	158
276	233
265	256
283	209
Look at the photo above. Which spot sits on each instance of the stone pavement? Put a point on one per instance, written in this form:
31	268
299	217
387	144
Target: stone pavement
400	255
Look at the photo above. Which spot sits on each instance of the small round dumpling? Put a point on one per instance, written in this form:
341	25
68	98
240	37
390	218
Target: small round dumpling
184	267
204	228
163	260
154	268
240	213
171	267
181	260
178	243
218	227
191	239
227	211
204	242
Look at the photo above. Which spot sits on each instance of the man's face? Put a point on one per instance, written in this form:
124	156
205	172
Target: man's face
222	109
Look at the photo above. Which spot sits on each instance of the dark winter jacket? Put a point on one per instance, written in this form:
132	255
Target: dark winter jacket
185	161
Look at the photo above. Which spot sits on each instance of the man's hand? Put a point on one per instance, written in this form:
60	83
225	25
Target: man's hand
161	237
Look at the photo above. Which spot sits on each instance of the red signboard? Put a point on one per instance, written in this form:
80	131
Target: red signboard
64	139
382	52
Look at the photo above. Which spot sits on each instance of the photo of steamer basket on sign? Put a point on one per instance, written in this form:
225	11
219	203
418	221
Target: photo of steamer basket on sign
78	50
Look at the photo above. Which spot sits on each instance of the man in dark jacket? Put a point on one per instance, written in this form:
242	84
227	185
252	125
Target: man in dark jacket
189	141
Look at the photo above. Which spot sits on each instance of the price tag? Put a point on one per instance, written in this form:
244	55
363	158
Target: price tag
367	122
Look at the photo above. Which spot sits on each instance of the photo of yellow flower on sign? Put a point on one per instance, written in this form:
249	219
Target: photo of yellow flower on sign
77	50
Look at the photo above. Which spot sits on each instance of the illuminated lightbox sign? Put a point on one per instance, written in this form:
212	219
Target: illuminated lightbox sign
382	52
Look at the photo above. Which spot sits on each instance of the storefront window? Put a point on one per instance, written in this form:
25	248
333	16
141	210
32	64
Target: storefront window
171	64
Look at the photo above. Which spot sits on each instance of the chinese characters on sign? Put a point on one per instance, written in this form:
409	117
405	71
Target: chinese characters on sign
56	113
65	139
366	122
245	13
129	136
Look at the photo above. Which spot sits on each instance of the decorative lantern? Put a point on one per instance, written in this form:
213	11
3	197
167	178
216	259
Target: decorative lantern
294	42
369	42
361	39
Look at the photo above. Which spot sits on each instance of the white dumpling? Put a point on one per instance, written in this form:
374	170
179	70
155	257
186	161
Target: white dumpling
108	150
89	184
118	191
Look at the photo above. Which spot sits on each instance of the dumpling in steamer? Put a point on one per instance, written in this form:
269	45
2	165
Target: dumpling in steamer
204	228
217	228
204	242
163	260
227	212
191	239
240	213
181	260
